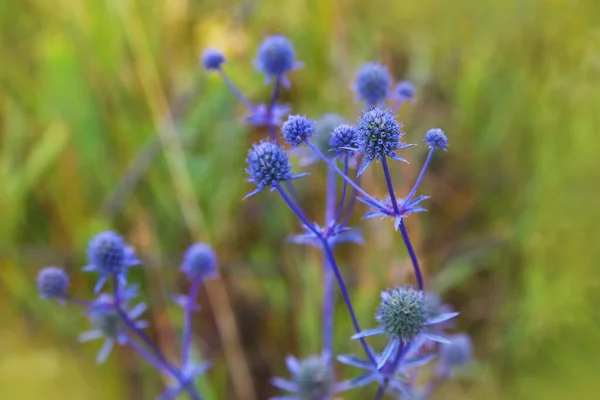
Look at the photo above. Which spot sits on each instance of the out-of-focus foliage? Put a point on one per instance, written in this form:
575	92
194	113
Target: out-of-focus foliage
511	239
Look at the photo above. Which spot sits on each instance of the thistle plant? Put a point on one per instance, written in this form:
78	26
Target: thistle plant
116	323
413	321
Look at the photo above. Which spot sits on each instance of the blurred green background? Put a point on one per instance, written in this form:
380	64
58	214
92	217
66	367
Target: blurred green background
511	239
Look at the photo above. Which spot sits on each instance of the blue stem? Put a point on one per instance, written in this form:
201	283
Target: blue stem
149	357
413	256
418	182
340	173
331	260
235	90
328	282
390	371
186	341
388	180
352	202
270	126
344	189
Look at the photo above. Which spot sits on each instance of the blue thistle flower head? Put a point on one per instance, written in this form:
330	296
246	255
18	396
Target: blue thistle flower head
379	136
458	352
312	378
108	254
325	126
344	139
402	313
436	139
199	262
212	59
276	57
52	283
372	83
107	324
405	91
297	129
268	165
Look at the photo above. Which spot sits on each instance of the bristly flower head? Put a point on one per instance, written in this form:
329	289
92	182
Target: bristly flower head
312	379
108	254
405	91
436	139
372	83
458	352
344	139
297	129
275	58
402	316
379	136
402	312
212	59
268	165
108	324
199	262
52	283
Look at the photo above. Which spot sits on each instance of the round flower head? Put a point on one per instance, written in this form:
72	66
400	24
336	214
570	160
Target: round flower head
268	165
275	58
402	312
52	282
405	91
372	83
199	262
379	136
343	139
108	324
212	59
312	379
108	254
436	139
297	129
458	352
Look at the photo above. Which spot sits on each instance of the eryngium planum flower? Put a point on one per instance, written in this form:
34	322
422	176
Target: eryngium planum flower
108	254
268	165
379	136
276	57
52	282
344	139
372	83
405	91
436	139
212	59
458	352
402	312
199	262
297	129
312	379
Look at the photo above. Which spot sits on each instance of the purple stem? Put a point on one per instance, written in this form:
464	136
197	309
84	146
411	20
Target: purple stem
405	237
390	370
235	90
413	256
418	182
186	341
331	259
270	126
149	357
340	173
388	180
137	331
328	282
344	189
352	203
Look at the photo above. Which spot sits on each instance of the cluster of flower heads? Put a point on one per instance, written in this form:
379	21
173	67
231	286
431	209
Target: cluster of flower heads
113	320
413	321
